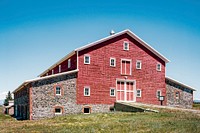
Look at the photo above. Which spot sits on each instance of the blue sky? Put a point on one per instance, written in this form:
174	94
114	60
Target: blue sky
35	34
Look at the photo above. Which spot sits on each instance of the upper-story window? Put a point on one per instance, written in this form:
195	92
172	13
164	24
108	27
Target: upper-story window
59	68
86	91
52	72
138	64
69	63
126	45
86	59
126	67
158	67
112	62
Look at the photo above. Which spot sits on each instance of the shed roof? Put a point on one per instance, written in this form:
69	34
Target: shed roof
179	83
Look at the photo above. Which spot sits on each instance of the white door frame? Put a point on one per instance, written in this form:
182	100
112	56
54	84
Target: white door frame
125	90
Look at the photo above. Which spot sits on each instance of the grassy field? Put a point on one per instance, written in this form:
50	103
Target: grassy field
196	106
165	121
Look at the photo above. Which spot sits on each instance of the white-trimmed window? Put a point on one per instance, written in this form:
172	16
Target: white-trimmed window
158	67
86	91
58	110
86	59
59	68
158	93
126	67
138	64
126	45
139	93
58	90
112	62
112	92
69	63
177	95
52	71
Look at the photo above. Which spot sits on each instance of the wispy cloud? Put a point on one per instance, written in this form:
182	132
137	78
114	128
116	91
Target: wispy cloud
3	95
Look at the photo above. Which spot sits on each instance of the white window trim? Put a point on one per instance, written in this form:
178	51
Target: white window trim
160	67
69	63
85	60
52	71
60	91
114	92
139	93
139	61
130	66
59	68
86	87
157	93
126	42
114	62
60	111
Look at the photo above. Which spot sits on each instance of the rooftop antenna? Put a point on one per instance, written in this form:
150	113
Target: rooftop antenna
112	32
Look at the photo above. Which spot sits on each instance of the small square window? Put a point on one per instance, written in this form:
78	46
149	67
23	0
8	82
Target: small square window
86	59
86	110
58	90
112	92
126	46
58	111
138	64
158	93
69	63
139	93
86	91
158	67
112	62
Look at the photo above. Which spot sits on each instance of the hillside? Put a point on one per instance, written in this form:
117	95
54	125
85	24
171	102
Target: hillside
165	121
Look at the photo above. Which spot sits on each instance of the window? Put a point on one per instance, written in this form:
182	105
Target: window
138	64
158	93
58	90
86	110
58	110
69	63
47	74
52	71
112	62
126	67
86	91
139	93
59	68
112	92
126	46
86	59
158	67
177	95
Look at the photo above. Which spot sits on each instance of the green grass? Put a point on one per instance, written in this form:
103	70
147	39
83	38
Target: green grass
196	106
165	121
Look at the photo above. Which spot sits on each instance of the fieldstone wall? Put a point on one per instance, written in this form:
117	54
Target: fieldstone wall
44	99
185	99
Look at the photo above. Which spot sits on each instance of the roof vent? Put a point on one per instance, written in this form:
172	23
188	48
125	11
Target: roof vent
112	32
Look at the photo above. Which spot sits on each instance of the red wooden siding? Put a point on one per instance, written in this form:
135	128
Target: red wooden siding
64	66
99	76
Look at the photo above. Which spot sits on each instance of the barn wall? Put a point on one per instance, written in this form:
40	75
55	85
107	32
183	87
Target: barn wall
99	76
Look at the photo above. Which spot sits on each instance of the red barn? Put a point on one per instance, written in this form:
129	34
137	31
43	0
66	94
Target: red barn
120	67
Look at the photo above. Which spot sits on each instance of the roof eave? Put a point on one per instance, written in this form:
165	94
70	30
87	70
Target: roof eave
57	63
178	82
